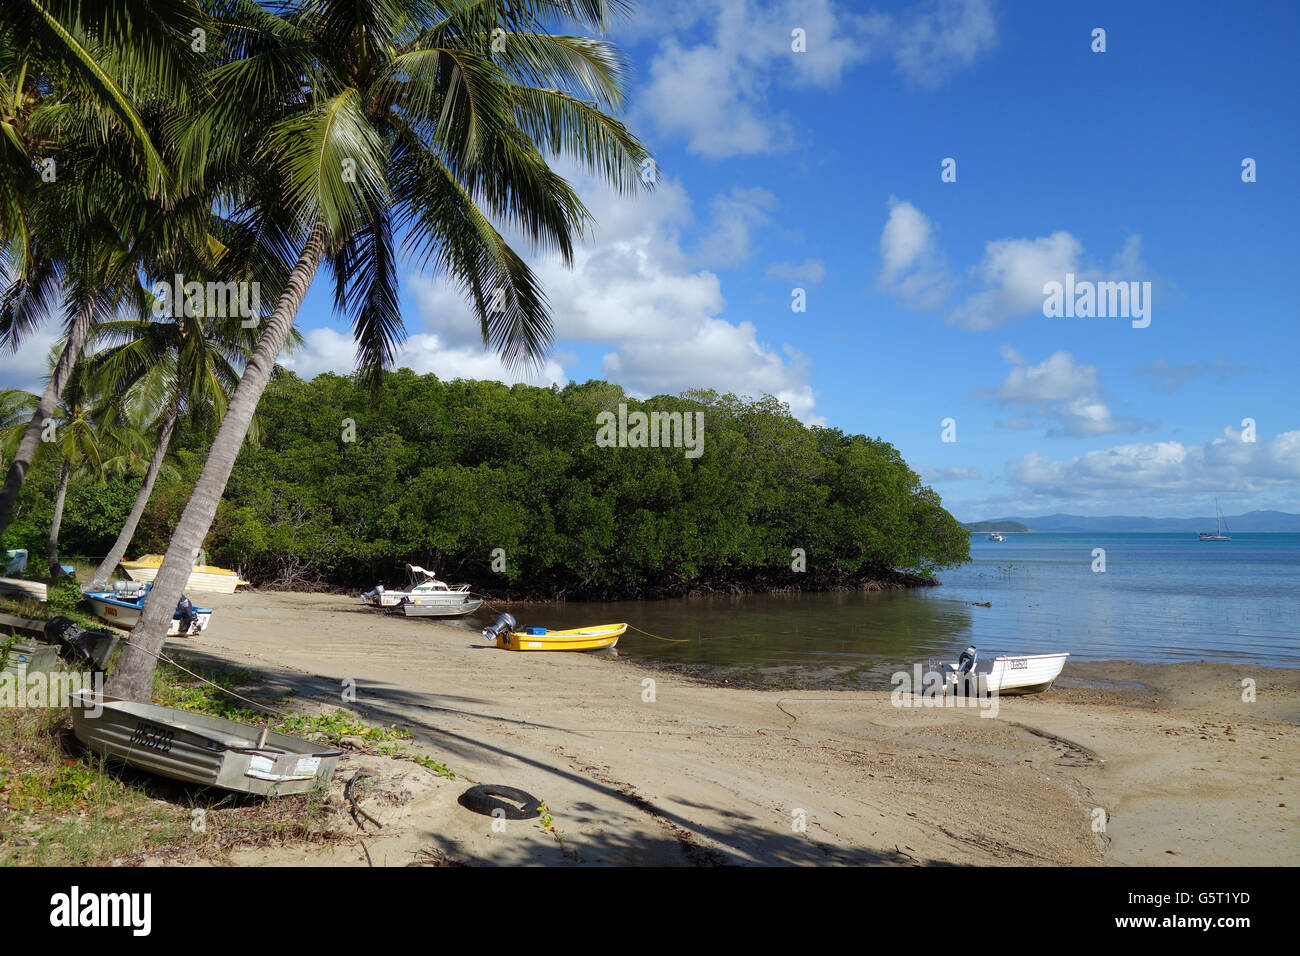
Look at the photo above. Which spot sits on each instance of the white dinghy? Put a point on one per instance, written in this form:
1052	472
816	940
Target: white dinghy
1029	674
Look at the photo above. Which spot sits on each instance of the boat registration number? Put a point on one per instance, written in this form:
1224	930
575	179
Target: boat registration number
153	737
1018	664
110	612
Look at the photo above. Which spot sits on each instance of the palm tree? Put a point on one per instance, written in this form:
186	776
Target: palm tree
337	123
90	442
72	73
183	365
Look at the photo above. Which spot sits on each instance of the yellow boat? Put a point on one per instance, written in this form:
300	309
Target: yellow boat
203	577
574	639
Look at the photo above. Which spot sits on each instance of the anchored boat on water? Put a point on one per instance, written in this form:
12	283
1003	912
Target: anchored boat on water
122	606
1220	526
197	748
509	636
1030	674
203	577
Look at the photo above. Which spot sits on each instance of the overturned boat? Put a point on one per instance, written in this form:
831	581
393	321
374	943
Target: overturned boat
122	606
203	577
1030	674
509	636
199	749
425	590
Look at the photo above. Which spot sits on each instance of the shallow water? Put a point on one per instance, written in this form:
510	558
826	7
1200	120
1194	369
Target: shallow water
1161	598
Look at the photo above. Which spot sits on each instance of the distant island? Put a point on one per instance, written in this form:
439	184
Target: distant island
1277	522
1011	526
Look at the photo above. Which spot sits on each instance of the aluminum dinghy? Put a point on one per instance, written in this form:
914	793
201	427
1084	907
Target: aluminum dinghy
199	749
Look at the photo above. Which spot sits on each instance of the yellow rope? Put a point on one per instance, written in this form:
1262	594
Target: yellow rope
673	640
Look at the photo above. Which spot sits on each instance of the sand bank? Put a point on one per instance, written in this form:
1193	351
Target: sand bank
1184	771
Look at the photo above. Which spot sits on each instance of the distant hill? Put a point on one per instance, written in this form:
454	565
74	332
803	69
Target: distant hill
994	526
1252	521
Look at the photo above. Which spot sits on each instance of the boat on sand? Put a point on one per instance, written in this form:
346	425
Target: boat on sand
203	577
1029	674
121	607
198	748
425	589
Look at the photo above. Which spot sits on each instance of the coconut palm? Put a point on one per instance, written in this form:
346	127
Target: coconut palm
183	365
75	75
90	442
342	123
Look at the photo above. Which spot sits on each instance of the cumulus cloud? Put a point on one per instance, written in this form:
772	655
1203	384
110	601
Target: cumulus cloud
1058	392
636	291
1167	470
715	93
1014	272
910	265
327	350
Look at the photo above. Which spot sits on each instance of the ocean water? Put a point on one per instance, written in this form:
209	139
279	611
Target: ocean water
1161	597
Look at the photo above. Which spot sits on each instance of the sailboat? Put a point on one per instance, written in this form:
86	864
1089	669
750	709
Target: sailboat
1220	526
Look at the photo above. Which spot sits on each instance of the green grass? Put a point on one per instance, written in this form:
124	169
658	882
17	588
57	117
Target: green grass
62	806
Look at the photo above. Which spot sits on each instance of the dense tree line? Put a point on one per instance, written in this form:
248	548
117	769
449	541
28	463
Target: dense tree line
344	489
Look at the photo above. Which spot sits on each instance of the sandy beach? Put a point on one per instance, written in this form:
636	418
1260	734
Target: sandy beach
1184	771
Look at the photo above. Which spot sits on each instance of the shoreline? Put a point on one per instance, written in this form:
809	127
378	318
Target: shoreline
1185	772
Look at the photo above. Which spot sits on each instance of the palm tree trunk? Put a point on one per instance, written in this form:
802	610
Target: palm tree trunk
44	410
133	677
57	521
115	554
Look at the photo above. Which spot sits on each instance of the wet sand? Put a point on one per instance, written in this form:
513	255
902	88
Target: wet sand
1183	771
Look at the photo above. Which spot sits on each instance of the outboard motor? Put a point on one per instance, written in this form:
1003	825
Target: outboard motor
966	663
188	616
504	625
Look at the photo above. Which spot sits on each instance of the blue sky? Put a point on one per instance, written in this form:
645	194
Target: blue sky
821	170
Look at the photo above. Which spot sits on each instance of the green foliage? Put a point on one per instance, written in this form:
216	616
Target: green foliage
442	473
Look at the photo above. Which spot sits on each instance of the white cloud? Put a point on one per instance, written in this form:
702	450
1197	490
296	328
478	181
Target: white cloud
1168	377
933	476
1058	391
634	289
941	38
811	271
1015	270
27	367
326	350
910	266
736	216
1167	470
715	93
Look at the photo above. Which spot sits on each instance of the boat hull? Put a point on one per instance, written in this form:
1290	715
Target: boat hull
1031	674
126	617
199	749
202	578
441	610
575	639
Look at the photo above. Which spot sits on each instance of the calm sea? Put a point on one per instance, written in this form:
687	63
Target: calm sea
1162	597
